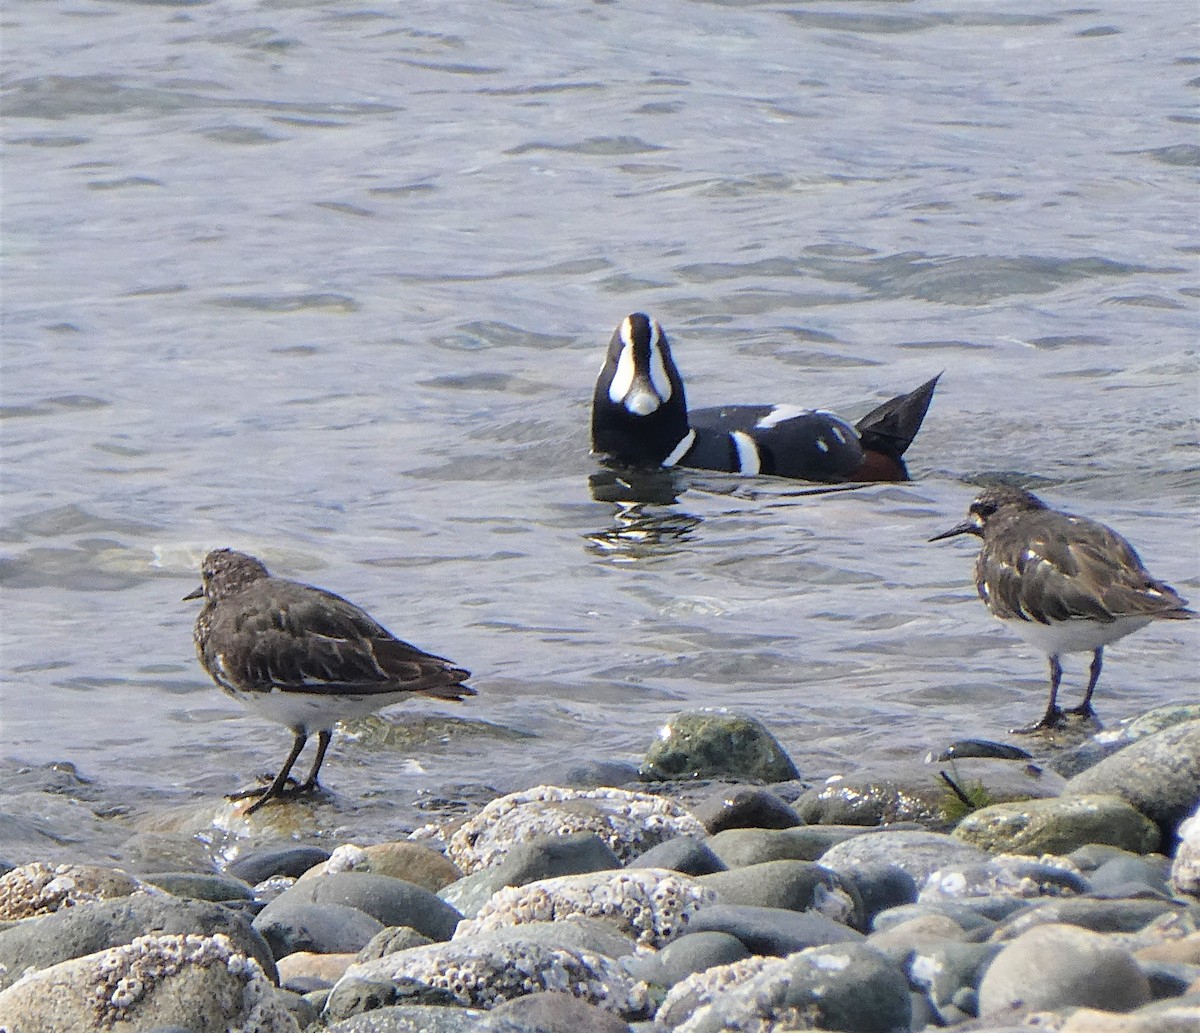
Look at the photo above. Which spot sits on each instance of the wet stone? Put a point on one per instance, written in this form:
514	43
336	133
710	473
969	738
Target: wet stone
1058	826
261	865
917	852
739	847
714	742
745	807
1098	915
1005	875
684	854
795	885
771	930
290	925
392	939
412	862
199	886
1056	966
693	952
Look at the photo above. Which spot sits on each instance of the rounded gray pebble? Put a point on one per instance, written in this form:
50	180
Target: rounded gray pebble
290	925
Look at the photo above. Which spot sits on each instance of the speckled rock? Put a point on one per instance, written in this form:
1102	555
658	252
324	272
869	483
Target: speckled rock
1163	1017
303	971
1012	875
697	991
845	986
545	857
412	862
391	901
651	904
1185	869
487	969
949	973
1058	826
627	822
911	850
1159	774
388	941
290	925
88	928
1056	966
714	742
795	885
745	807
37	888
1099	915
154	981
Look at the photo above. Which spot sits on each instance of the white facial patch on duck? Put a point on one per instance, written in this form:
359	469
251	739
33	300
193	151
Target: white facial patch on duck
747	452
780	414
622	379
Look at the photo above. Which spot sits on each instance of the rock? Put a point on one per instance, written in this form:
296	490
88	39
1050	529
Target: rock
412	1018
771	930
289	924
544	857
38	889
1129	876
653	905
715	742
740	847
692	952
1185	869
412	862
795	885
901	940
154	981
917	792
682	854
629	823
200	886
1057	966
916	852
1164	1018
1098	915
1158	774
261	865
582	774
1184	951
390	901
388	941
551	1012
484	970
745	807
880	887
950	973
965	917
303	968
844	986
1011	875
88	928
1058	826
695	992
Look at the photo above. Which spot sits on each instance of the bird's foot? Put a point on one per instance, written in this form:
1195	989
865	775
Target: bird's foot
1051	720
292	786
1083	710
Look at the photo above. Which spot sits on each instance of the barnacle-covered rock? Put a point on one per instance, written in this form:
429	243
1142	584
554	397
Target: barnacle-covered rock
628	822
413	862
200	982
701	988
487	969
38	889
652	905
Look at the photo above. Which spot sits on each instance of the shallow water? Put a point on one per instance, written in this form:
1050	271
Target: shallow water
331	285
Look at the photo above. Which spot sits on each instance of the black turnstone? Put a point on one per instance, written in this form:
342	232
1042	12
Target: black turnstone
1064	583
304	657
640	418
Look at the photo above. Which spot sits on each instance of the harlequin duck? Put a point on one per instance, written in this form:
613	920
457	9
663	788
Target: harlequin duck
640	418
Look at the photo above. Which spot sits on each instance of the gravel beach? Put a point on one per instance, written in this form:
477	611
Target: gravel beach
986	889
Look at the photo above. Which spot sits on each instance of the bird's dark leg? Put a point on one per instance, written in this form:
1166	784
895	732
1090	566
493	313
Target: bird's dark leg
310	783
1053	717
275	789
1085	708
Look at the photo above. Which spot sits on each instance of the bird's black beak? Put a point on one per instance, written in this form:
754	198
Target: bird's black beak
966	527
195	593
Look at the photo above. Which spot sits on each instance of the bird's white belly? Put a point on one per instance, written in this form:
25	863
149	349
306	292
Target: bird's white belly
1075	636
312	712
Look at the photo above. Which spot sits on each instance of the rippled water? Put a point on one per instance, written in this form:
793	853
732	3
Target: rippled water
331	284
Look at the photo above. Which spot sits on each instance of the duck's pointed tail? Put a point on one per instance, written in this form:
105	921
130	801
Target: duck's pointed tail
891	427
